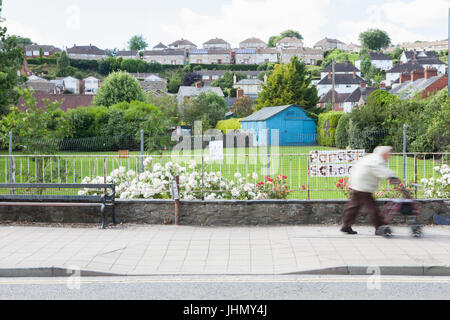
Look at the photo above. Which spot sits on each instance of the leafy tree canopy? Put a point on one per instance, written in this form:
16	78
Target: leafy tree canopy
207	107
137	42
227	81
288	33
242	107
374	39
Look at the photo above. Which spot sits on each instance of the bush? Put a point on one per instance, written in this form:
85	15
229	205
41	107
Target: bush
326	128
226	125
364	138
341	136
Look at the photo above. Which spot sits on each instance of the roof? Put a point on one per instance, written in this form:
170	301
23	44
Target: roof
87	50
153	85
45	48
339	97
405	67
356	95
182	42
222	72
429	54
194	91
408	89
267	113
342	79
266	51
127	53
209	51
327	40
167	52
253	40
423	61
246	51
341	67
289	40
160	46
249	82
39	84
71	101
377	56
304	51
216	41
153	78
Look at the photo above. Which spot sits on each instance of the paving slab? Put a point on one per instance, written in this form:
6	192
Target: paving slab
178	250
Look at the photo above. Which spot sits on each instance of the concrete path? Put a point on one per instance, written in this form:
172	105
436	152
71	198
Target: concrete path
181	250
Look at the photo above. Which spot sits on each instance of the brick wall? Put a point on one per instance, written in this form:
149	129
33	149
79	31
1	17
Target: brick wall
436	86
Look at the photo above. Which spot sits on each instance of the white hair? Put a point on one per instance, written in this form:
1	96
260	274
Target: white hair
382	150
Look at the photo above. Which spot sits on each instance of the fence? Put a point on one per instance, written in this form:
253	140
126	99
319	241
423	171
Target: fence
73	168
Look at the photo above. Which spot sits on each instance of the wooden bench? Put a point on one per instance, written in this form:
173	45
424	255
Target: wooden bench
27	200
124	154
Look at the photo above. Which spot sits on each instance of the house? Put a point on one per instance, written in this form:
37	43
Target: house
183	44
344	83
252	43
289	43
379	60
307	55
90	85
434	63
68	101
339	100
340	68
169	56
284	126
210	56
217	44
250	87
72	85
266	55
128	54
422	83
330	44
393	74
154	83
245	56
438	45
89	52
41	85
33	51
359	97
209	76
353	48
417	55
160	46
186	93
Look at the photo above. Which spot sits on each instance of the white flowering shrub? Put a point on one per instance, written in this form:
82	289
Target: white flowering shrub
154	183
438	187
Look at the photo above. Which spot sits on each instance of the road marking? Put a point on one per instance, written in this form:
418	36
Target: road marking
364	279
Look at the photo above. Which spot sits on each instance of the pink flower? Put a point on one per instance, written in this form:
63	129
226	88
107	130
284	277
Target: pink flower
303	187
341	181
338	185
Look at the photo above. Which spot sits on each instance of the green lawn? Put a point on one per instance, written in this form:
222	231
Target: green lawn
69	167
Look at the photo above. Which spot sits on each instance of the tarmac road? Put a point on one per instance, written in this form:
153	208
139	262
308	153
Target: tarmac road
291	287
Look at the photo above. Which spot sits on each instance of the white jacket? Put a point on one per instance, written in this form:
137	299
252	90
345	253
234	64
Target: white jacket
368	172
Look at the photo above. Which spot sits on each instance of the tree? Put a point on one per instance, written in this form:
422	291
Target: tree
288	33
366	64
375	39
168	105
190	78
289	84
208	107
63	65
119	87
137	43
11	61
24	41
340	57
242	107
174	82
227	81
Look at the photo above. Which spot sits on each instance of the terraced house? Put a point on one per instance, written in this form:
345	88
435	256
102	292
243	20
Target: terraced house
210	56
307	55
183	44
168	56
34	51
128	54
252	43
217	44
89	52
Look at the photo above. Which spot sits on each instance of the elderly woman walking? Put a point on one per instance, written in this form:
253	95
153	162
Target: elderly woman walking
364	180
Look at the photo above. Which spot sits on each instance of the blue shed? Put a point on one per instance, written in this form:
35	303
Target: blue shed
290	123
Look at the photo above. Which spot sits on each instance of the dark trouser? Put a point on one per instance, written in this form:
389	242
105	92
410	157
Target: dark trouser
358	199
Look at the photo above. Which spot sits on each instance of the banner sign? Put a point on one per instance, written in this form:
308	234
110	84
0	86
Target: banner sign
335	163
216	150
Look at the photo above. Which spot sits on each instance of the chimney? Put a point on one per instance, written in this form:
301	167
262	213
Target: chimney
430	72
198	85
239	93
416	74
404	77
363	85
354	74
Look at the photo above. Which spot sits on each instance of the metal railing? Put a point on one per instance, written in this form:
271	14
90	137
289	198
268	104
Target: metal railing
71	169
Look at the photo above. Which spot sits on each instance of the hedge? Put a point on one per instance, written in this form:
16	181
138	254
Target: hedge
326	128
227	67
41	61
230	124
341	137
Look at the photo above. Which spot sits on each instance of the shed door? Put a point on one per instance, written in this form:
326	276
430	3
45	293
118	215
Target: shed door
292	129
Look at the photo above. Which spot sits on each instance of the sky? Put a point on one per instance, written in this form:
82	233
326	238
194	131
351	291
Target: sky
110	24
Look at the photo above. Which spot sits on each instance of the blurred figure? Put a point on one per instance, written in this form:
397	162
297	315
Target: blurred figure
364	180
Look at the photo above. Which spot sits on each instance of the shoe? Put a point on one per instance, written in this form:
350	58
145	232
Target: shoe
348	230
384	231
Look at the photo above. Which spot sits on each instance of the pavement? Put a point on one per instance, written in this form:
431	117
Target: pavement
131	250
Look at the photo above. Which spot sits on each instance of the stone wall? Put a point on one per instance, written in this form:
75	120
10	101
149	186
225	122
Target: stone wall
212	213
